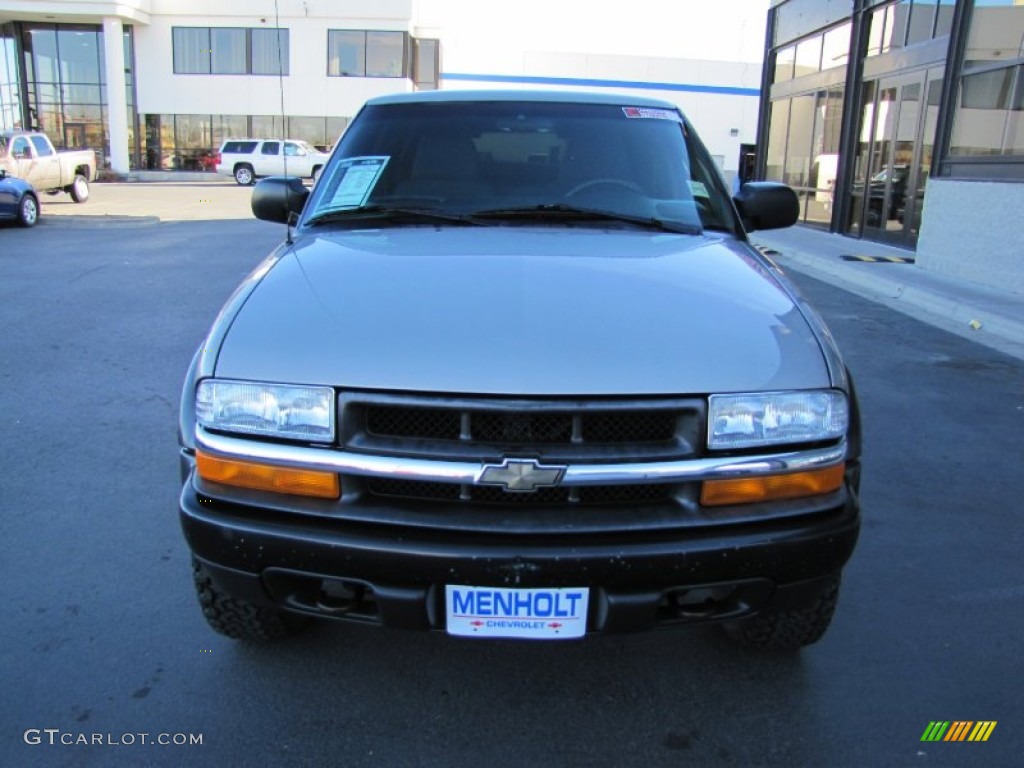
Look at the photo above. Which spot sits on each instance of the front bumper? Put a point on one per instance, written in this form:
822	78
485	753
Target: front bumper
395	575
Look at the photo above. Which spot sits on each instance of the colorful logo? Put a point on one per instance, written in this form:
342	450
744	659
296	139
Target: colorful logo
958	730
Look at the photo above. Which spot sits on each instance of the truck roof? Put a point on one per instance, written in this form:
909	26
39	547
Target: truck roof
559	97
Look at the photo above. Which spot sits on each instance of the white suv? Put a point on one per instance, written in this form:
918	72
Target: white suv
248	159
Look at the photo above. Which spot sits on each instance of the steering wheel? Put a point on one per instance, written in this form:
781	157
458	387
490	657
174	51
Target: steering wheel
630	185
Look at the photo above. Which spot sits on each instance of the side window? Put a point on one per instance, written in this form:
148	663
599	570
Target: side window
19	148
292	150
42	146
271	148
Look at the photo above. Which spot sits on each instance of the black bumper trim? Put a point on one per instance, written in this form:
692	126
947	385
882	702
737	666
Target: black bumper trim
633	579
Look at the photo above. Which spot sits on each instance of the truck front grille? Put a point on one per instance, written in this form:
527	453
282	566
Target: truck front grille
489	428
652	493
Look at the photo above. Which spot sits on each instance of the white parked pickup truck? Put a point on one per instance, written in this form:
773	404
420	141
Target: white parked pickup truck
249	159
31	156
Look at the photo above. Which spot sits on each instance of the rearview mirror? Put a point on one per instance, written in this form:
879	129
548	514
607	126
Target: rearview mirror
276	198
767	205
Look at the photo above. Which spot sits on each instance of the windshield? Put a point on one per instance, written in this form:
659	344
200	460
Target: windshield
522	162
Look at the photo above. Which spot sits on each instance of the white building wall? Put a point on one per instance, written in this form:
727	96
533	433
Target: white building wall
307	89
720	98
969	230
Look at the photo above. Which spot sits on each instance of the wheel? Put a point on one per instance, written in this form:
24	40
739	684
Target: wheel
240	619
631	186
28	211
789	630
80	189
244	175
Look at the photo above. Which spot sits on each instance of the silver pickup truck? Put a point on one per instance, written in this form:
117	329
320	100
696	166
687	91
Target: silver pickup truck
517	372
31	156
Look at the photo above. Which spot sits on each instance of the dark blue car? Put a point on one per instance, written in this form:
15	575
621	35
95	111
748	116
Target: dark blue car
18	200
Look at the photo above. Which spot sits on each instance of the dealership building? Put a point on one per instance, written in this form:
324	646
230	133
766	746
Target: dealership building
903	122
899	121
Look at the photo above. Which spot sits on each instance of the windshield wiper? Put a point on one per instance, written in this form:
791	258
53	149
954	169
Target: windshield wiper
389	213
564	212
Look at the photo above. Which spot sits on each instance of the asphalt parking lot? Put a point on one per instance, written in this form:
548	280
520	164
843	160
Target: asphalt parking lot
103	305
148	203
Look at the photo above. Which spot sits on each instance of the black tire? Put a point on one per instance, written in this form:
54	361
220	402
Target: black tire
789	630
28	211
244	175
79	189
240	619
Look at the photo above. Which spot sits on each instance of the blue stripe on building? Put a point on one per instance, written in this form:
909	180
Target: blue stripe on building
582	82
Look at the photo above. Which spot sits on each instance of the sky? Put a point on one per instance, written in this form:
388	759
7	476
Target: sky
487	37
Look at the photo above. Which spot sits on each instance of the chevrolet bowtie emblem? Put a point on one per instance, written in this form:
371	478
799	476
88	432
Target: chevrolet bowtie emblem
520	475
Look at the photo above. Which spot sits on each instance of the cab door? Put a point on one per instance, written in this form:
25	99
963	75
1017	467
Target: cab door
23	161
270	161
47	169
296	159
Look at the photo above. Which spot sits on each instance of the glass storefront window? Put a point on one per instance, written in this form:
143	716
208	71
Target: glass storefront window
784	59
897	22
191	50
335	127
880	31
778	130
308	129
83	94
362	53
798	147
385	54
79	56
229	127
944	17
10	93
267	127
808	56
43	45
996	31
836	47
922	21
269	51
981	112
346	53
227	51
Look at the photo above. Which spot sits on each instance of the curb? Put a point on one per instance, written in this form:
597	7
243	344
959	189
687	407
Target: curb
969	320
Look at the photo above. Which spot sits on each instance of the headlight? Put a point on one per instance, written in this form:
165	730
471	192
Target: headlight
273	410
745	421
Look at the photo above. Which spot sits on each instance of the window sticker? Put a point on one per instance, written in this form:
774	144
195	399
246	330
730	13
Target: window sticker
653	114
697	189
358	177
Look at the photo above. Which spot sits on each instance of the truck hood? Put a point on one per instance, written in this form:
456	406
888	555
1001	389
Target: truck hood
522	311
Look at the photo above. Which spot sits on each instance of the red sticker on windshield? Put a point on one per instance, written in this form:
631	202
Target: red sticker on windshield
648	112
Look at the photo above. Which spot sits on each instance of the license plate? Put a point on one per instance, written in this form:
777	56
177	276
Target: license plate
540	614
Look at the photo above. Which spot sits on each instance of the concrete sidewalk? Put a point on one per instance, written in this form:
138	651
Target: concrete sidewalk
977	312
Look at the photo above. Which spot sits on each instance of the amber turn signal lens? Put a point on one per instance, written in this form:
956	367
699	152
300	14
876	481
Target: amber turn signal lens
266	477
747	490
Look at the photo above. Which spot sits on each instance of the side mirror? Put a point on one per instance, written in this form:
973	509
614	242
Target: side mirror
767	205
3	173
277	198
